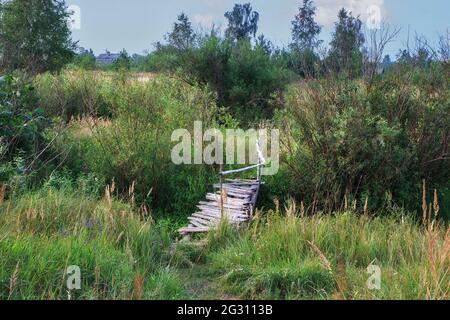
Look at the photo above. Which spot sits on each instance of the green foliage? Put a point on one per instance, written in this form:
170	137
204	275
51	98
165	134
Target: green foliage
304	62
74	94
21	127
345	54
254	78
242	22
41	266
123	62
326	257
122	254
85	60
305	30
303	59
134	148
34	36
356	141
246	78
182	36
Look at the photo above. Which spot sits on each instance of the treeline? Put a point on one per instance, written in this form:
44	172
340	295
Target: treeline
248	70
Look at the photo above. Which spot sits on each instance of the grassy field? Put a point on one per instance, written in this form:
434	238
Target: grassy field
282	254
107	198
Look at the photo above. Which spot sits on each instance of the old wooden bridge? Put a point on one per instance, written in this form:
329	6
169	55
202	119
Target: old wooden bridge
234	200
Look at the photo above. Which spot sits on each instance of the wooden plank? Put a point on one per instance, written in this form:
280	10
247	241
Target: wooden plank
237	186
247	192
226	212
227	205
208	210
239	197
238	189
217	214
231	206
250	182
199	222
216	220
206	217
194	230
236	195
217	197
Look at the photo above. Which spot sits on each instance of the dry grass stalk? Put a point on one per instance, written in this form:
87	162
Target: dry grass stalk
424	202
323	259
108	195
131	193
138	287
13	280
445	255
302	209
366	205
290	209
277	206
2	193
340	278
436	204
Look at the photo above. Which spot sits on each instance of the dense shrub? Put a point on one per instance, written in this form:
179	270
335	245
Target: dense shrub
85	60
134	148
21	128
74	93
347	141
248	79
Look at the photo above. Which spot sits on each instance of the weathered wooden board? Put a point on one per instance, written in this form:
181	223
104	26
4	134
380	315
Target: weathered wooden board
234	205
225	211
193	230
225	199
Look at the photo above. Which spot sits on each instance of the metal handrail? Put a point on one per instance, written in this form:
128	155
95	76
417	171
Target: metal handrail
262	163
225	173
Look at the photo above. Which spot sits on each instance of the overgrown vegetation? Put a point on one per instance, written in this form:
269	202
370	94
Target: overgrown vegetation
367	142
291	256
86	176
122	253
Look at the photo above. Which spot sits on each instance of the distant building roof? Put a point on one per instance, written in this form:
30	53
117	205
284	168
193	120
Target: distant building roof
107	58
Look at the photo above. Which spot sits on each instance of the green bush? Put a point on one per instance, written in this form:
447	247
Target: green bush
22	126
351	141
248	79
74	93
134	148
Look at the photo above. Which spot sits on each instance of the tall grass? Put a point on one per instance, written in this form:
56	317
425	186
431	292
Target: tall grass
121	252
325	256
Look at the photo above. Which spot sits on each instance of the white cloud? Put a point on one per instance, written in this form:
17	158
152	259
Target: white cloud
327	10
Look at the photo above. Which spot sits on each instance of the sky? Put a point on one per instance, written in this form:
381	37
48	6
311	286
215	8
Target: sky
136	25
